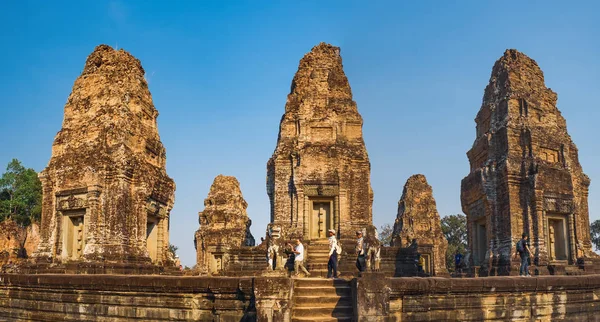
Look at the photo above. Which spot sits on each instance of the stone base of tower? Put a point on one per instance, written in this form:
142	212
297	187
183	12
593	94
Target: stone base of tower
584	266
98	268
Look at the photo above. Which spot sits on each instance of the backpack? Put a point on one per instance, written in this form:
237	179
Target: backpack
520	247
338	249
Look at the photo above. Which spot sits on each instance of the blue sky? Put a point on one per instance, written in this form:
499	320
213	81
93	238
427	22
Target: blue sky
219	73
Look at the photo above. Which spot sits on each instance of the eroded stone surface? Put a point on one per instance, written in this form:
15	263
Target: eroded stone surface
319	175
106	194
418	219
17	243
49	297
224	226
525	174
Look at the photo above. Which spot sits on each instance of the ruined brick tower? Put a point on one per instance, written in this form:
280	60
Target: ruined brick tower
106	193
224	226
418	219
319	175
525	175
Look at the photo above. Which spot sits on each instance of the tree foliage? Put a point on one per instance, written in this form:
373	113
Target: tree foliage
20	194
454	228
385	234
595	233
173	250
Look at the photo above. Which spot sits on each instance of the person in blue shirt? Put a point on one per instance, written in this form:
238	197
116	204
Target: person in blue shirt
525	253
458	261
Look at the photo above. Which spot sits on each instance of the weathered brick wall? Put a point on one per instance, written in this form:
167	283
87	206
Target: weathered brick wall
377	298
125	298
479	299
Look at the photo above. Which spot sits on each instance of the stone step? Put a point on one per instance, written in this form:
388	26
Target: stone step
328	319
323	291
319	282
323	312
322	301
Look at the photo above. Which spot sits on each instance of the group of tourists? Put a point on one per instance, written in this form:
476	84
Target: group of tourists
522	250
364	255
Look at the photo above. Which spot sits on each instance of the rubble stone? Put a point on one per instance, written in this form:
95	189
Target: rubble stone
16	242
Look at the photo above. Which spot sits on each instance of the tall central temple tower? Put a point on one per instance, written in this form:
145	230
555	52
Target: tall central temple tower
319	175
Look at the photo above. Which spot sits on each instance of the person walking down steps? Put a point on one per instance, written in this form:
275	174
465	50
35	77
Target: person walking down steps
360	253
299	258
333	255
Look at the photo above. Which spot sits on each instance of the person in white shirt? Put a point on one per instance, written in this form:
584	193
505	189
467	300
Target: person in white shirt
360	252
299	258
333	255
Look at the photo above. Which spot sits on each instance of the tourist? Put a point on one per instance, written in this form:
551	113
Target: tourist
458	262
360	252
525	253
270	254
374	257
332	263
299	258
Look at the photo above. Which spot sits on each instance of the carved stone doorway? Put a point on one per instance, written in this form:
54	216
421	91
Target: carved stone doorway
557	238
321	219
480	243
74	238
152	237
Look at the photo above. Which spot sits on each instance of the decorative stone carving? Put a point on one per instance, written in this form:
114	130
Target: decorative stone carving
525	174
106	193
419	221
320	165
224	226
71	202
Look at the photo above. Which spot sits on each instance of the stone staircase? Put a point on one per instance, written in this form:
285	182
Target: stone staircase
317	258
317	299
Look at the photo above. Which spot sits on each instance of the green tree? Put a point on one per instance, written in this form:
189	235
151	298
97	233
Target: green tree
595	232
385	234
173	250
20	194
454	228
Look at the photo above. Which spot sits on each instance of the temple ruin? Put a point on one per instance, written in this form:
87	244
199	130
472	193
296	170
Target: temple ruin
107	199
525	176
106	193
224	227
418	221
319	175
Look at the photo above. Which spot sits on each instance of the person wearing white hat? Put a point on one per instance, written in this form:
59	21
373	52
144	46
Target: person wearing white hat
333	254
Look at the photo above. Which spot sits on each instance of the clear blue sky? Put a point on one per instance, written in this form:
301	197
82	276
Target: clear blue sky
219	73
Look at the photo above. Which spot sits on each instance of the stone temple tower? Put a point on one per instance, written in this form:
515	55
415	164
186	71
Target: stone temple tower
419	220
106	193
525	176
319	175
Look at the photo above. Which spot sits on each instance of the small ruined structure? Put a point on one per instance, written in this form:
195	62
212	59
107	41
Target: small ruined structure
525	176
418	220
16	242
106	193
224	227
319	175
